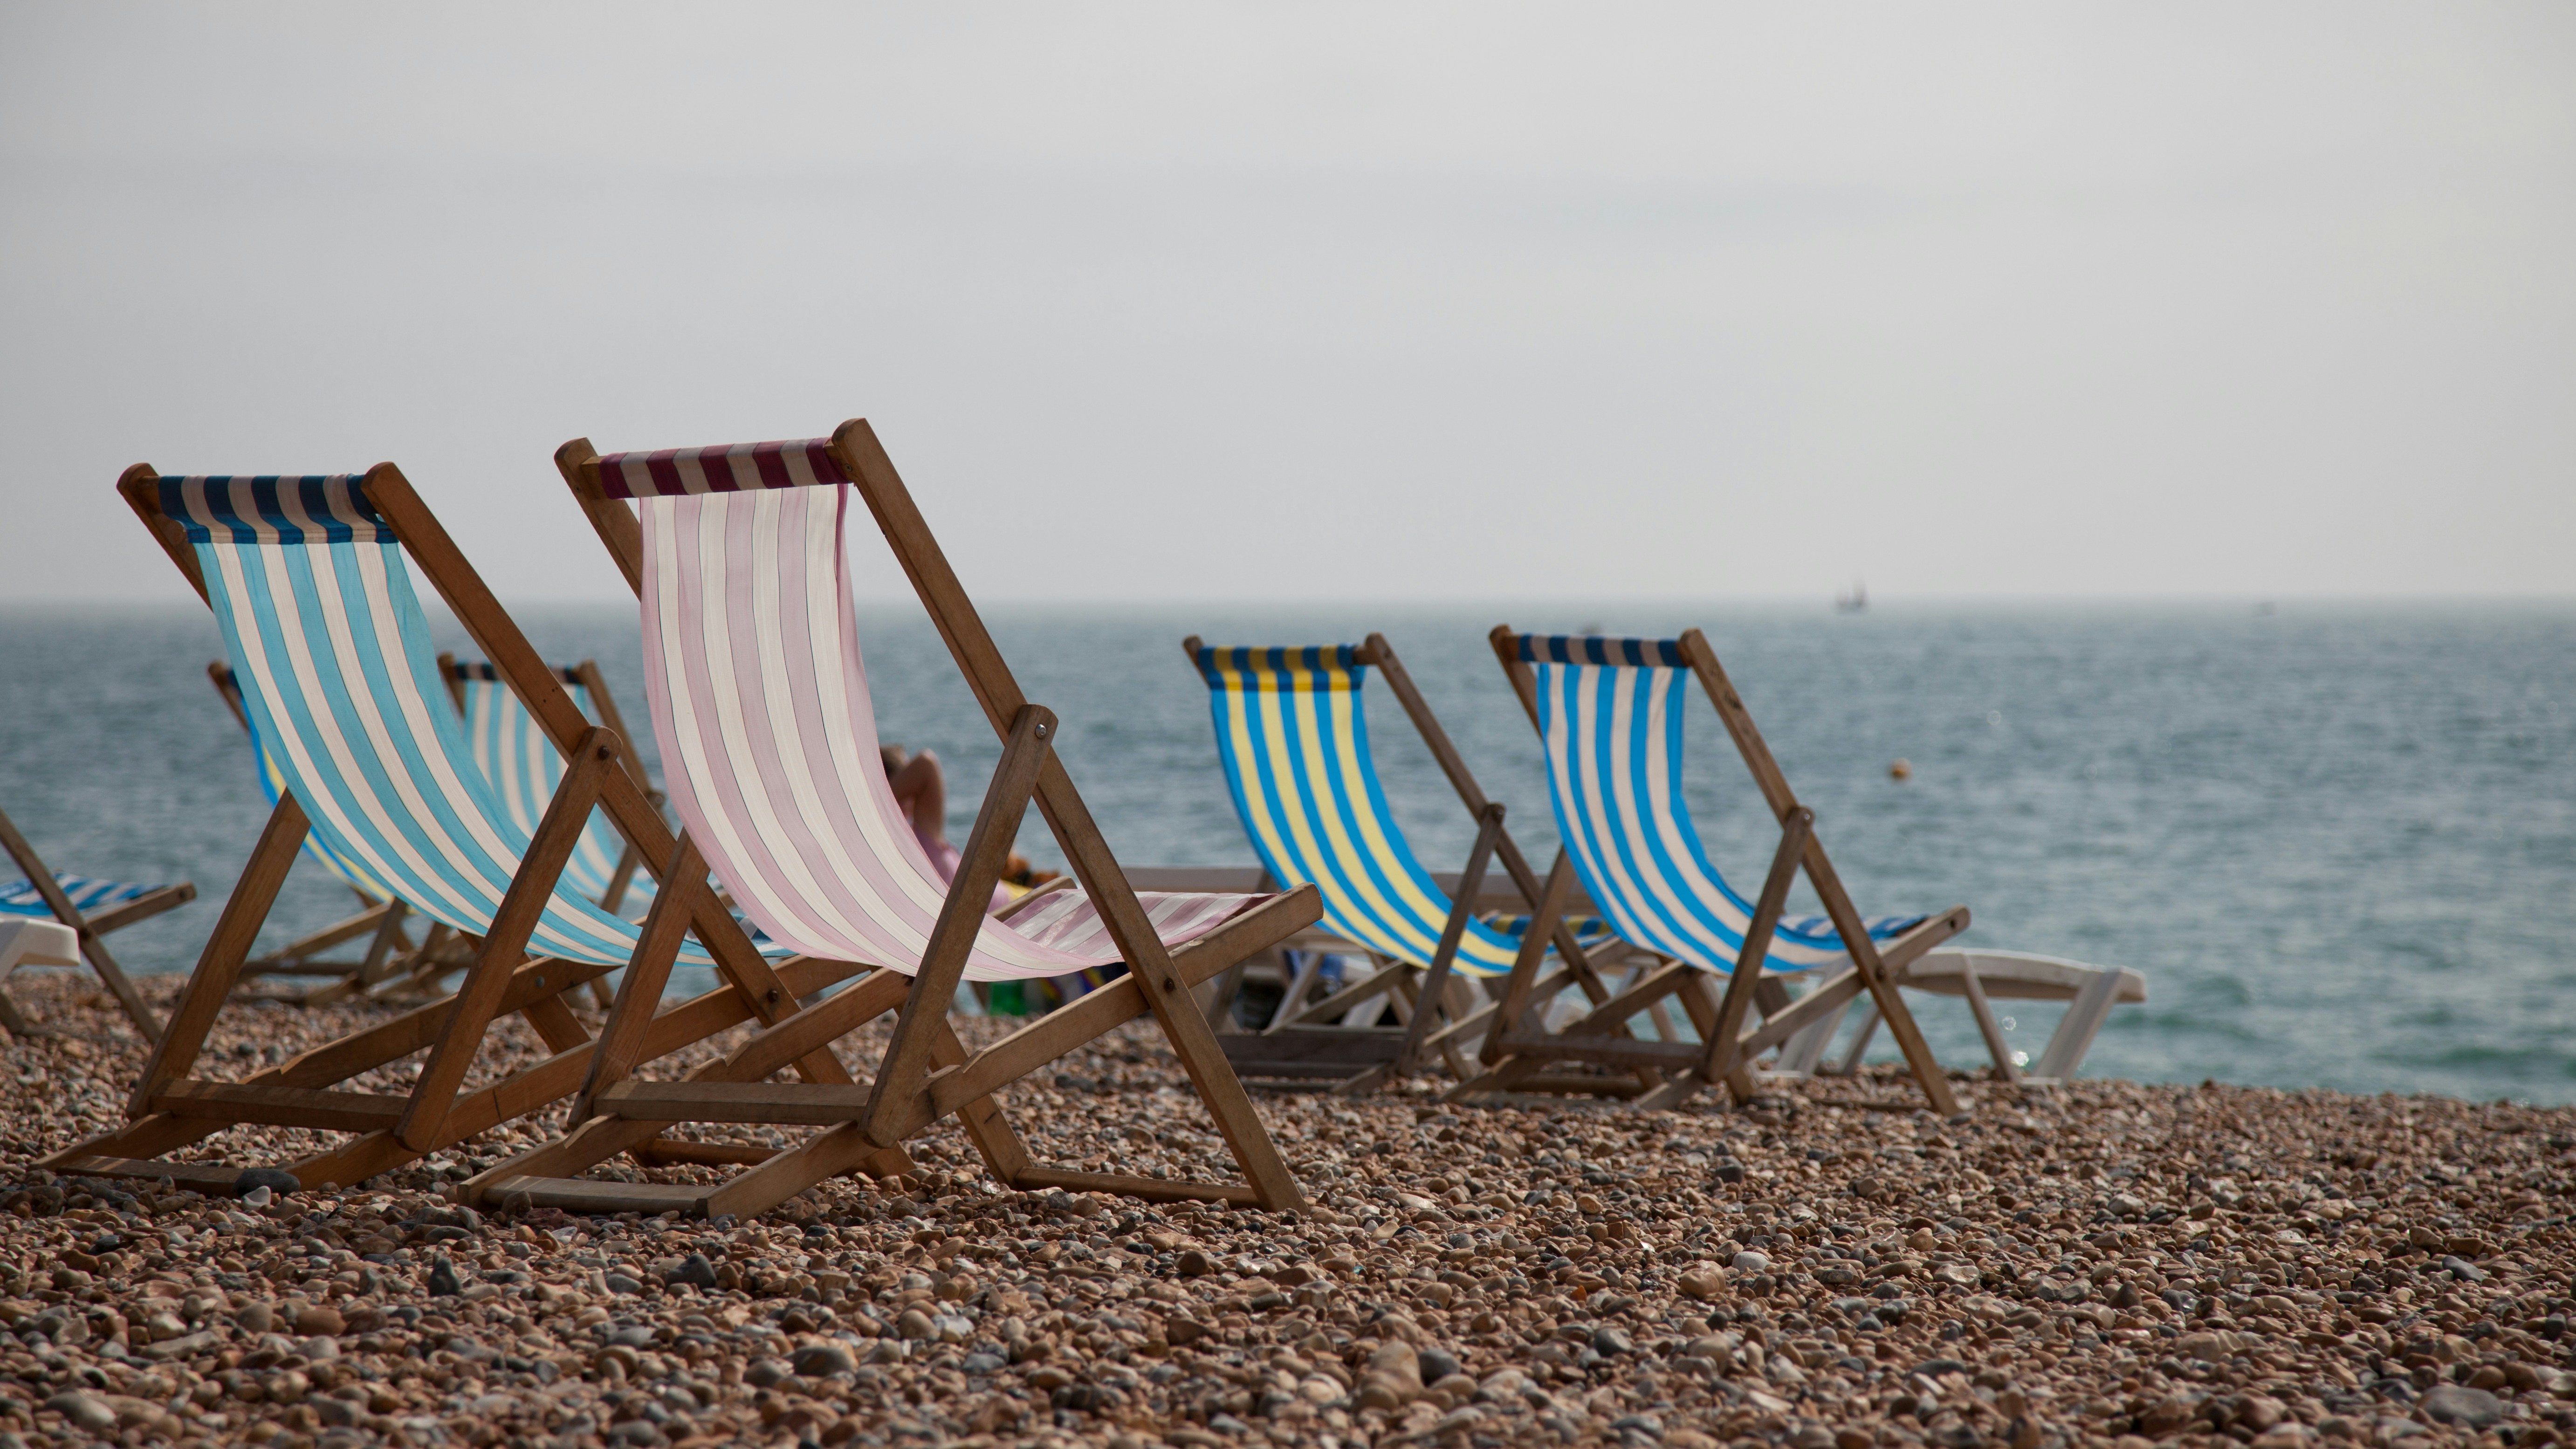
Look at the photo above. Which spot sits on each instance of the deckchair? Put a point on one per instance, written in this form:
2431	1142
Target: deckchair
92	908
770	751
307	582
1292	734
1609	716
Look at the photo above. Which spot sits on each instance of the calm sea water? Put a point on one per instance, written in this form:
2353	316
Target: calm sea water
2339	841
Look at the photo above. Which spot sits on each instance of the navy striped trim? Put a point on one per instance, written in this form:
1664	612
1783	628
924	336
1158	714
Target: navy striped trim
486	670
272	508
1594	649
1311	658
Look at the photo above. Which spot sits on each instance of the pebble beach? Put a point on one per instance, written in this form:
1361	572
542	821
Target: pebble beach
1826	1268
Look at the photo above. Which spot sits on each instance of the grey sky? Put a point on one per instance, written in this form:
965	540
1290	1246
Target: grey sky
1231	302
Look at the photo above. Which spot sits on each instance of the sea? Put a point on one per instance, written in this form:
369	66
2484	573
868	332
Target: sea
2338	840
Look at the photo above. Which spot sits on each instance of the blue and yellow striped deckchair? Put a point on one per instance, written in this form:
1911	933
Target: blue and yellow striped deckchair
1292	735
1609	715
308	584
92	908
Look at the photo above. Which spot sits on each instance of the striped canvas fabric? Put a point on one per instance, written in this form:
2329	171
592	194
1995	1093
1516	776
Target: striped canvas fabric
1610	718
20	897
760	704
1292	734
512	751
272	783
342	687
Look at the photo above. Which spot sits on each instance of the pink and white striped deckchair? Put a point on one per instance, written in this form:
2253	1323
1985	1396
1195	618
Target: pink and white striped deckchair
760	702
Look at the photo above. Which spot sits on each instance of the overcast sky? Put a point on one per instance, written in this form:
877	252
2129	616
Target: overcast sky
1220	302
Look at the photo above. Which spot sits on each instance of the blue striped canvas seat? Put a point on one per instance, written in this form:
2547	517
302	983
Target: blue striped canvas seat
342	687
20	897
1293	737
512	751
272	785
1610	719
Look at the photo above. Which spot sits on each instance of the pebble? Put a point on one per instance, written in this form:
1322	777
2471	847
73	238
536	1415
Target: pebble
2109	1265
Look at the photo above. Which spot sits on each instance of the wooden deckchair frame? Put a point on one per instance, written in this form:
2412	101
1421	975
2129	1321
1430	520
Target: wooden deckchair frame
169	1109
90	929
1292	1046
1726	1049
926	1072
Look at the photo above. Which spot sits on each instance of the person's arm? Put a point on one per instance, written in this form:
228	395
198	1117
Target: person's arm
923	793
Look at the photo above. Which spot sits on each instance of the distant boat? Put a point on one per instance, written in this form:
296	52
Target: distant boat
1854	601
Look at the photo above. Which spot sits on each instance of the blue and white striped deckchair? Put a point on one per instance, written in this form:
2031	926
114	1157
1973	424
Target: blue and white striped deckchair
23	898
91	908
513	752
1609	714
1292	734
329	644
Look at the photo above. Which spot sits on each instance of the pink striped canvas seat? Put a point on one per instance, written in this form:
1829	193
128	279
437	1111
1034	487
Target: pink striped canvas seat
760	703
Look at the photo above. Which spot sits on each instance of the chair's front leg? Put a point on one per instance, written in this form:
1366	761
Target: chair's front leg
943	962
505	945
220	965
1534	942
1795	830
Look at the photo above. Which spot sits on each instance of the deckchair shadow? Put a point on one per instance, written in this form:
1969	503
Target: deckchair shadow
1291	728
1609	716
769	745
307	581
91	908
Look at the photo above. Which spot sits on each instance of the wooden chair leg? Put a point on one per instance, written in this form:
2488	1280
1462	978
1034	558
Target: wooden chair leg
1435	986
219	965
505	944
639	994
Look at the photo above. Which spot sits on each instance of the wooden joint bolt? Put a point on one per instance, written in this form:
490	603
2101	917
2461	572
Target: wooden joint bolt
771	996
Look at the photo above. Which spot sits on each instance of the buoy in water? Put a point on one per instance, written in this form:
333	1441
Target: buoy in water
1900	770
